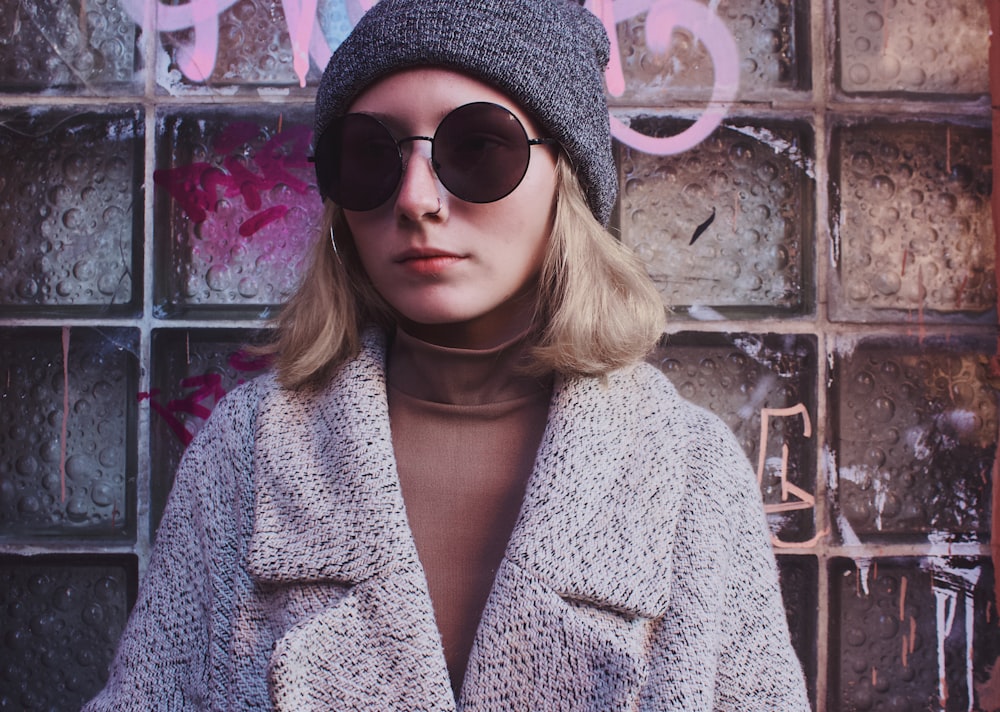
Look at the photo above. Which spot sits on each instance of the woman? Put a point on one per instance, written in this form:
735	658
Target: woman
461	487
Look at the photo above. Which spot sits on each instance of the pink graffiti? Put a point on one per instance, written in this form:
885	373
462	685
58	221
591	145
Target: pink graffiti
207	392
198	186
197	60
663	17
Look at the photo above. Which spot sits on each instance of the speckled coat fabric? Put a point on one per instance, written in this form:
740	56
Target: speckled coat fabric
639	575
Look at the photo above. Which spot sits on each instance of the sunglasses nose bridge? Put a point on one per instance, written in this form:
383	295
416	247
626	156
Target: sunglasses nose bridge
406	156
413	188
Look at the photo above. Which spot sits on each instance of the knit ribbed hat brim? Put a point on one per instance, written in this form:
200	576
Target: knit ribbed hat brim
547	55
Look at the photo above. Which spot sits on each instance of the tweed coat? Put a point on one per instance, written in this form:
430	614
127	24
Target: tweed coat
638	577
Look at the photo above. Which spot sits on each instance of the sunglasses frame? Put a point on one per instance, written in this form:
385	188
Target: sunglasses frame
403	164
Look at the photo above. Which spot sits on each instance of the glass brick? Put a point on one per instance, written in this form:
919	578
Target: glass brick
917	47
67	432
75	46
192	370
799	576
665	60
912	226
725	227
912	634
236	209
60	620
916	428
763	388
246	43
68	200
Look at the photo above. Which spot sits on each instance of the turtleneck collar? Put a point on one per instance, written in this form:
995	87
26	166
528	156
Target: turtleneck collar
461	376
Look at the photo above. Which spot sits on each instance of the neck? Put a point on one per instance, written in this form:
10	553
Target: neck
506	322
461	376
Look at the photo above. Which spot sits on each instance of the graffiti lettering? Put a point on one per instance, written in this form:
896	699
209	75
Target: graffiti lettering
662	18
197	186
208	391
196	61
948	595
800	498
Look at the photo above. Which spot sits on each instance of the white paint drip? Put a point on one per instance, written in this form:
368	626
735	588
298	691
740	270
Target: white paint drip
779	145
949	582
864	570
704	313
880	498
945	609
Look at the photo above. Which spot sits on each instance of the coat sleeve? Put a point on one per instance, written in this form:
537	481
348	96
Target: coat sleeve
180	625
723	643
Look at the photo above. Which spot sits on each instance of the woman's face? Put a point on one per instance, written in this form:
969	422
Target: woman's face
463	275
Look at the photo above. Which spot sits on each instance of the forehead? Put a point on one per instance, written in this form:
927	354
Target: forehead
424	95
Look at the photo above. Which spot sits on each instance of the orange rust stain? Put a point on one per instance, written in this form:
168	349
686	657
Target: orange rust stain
902	599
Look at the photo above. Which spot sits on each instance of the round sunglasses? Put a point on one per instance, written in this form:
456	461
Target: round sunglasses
480	152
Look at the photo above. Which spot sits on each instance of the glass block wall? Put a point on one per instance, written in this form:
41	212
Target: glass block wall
809	183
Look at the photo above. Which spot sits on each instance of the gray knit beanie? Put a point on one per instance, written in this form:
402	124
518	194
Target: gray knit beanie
548	55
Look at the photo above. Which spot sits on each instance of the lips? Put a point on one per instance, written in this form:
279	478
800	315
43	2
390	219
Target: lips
426	261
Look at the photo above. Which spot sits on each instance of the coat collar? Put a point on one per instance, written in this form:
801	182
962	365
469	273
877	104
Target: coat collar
326	493
594	527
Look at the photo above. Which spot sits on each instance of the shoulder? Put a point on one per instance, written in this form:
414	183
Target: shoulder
649	407
642	394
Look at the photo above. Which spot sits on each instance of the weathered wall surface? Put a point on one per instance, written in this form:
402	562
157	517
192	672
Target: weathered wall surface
808	181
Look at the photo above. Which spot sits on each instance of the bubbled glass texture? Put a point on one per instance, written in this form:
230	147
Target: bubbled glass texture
771	39
59	623
763	388
236	210
83	46
69	193
913	46
754	183
67	432
798	576
192	371
252	43
916	437
914	228
913	634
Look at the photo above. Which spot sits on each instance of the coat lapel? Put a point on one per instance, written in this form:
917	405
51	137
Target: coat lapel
332	548
588	566
586	571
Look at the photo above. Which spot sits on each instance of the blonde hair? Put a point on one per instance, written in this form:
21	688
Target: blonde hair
596	308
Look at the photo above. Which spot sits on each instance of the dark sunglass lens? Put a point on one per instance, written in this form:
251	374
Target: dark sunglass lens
358	162
481	152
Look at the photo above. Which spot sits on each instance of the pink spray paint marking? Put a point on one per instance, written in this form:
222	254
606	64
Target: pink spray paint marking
258	221
198	186
197	60
300	15
208	387
208	391
663	16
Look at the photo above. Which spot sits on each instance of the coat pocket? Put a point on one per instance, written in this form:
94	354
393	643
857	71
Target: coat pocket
537	649
374	647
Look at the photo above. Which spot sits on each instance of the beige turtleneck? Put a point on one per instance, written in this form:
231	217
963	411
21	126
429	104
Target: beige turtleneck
466	426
